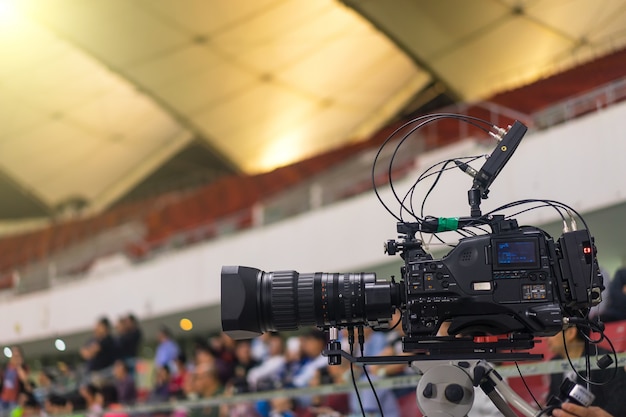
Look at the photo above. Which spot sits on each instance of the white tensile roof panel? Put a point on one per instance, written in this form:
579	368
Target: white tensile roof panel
95	95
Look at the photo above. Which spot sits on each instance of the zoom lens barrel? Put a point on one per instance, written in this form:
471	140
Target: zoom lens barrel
254	301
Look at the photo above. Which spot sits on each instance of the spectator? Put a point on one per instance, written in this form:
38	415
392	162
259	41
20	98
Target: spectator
239	409
294	360
101	352
107	397
206	381
273	367
90	395
129	337
615	309
204	356
313	343
76	405
66	379
45	386
223	348
29	407
282	407
162	387
15	380
260	347
124	383
608	396
188	391
177	377
332	404
55	405
207	384
167	351
243	359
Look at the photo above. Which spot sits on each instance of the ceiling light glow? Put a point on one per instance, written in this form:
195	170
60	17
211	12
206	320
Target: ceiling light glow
8	13
283	151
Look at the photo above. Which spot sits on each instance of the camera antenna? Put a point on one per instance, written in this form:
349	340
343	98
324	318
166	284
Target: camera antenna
508	140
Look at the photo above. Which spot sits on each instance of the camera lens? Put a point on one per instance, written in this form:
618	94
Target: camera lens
255	301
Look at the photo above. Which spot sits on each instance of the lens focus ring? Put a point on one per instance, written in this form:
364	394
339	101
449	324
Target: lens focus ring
306	303
347	298
283	300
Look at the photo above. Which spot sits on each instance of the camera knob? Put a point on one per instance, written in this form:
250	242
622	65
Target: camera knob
454	393
391	247
429	390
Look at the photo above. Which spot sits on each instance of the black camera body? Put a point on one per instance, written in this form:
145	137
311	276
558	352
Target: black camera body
513	280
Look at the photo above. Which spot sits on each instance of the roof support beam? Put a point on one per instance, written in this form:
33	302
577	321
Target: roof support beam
368	11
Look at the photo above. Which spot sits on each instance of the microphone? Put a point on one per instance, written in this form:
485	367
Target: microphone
466	168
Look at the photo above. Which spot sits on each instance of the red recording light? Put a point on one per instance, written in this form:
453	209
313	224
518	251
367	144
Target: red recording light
587	250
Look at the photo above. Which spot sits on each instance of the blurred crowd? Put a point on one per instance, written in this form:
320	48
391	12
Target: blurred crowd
214	366
219	366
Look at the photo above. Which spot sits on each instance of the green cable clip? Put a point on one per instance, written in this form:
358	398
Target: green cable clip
447	223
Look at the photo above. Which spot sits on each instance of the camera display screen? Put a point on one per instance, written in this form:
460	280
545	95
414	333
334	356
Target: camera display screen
517	253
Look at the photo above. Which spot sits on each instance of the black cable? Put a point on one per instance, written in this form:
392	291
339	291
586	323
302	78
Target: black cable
427	174
380	149
588	379
432	187
587	363
595	327
395	325
380	407
519	371
509	216
545	203
356	388
421	122
546	411
406	136
361	335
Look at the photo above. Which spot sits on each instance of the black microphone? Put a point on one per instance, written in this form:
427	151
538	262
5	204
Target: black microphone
466	168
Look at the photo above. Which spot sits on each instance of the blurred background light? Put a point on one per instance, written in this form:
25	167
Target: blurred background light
186	324
60	345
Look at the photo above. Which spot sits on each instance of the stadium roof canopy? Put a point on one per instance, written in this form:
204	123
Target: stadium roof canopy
98	98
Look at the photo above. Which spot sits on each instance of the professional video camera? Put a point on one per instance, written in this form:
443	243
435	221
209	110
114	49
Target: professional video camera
514	281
